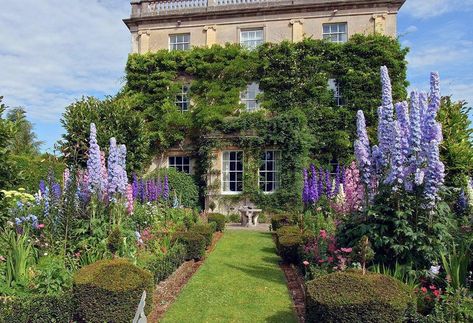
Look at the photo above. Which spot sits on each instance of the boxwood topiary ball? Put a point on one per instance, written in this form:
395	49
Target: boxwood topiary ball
110	291
354	297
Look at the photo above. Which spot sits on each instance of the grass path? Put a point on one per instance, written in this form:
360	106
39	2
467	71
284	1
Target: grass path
239	282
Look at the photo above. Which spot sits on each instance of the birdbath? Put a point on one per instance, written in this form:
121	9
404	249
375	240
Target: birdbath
249	216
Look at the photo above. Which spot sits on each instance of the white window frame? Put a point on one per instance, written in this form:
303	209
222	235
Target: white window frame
185	162
226	171
251	102
182	98
249	39
263	171
334	30
180	45
334	85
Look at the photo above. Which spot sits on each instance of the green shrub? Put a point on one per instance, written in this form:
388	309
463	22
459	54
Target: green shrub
184	185
194	243
219	219
164	265
37	308
206	230
288	247
353	297
51	276
288	230
280	220
110	291
234	218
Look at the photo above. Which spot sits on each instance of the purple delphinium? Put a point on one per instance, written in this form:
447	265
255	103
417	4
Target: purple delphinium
313	186
305	190
320	182
104	177
135	186
395	177
434	175
166	188
328	184
93	162
123	183
142	190
404	127
56	190
336	189
462	202
42	187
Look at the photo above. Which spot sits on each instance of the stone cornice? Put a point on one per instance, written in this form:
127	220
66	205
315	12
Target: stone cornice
296	6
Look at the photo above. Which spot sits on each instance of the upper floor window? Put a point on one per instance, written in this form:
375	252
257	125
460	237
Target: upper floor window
251	38
249	97
337	95
179	42
269	171
336	33
180	163
182	98
232	172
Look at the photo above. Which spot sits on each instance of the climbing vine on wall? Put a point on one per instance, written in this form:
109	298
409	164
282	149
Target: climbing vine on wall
298	114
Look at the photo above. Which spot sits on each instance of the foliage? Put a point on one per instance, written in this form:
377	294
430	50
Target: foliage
288	245
110	290
114	240
39	167
182	186
18	257
51	277
456	150
354	297
37	308
218	219
114	117
298	111
163	266
8	172
457	262
24	141
194	242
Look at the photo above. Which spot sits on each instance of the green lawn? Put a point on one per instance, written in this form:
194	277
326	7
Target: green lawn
239	282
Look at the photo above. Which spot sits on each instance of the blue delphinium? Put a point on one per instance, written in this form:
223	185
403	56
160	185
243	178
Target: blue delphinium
395	177
404	127
114	169
386	115
123	180
362	148
166	188
94	168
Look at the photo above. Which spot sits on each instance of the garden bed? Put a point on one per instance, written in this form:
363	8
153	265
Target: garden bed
295	284
168	290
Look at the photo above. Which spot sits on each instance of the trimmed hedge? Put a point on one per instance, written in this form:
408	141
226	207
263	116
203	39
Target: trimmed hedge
206	230
194	242
288	242
165	265
110	291
218	219
354	297
280	220
36	308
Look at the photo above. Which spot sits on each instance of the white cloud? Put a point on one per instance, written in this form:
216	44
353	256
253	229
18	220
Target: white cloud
53	51
431	8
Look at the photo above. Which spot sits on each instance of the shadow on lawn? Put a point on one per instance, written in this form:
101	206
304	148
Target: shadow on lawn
282	317
261	272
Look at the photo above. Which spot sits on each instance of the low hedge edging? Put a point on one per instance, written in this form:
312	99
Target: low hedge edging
37	308
218	219
194	243
351	296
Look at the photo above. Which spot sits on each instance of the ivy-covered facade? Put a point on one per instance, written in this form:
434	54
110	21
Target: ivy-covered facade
245	122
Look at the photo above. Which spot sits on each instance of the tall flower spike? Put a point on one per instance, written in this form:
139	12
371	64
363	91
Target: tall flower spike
305	192
93	162
123	183
404	125
395	176
313	188
387	114
434	175
114	169
166	188
362	149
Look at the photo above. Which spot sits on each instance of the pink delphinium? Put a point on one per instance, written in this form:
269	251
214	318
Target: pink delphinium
129	199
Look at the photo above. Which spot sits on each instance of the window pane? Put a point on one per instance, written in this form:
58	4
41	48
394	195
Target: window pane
268	171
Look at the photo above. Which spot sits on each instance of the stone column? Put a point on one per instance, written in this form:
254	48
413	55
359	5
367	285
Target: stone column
211	32
379	23
297	29
144	41
135	43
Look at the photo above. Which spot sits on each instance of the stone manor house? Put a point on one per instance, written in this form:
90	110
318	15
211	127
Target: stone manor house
183	24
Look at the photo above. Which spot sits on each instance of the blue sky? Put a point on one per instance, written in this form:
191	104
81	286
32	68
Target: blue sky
55	51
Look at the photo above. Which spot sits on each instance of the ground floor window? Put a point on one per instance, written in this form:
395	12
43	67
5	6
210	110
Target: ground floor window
232	172
180	163
269	171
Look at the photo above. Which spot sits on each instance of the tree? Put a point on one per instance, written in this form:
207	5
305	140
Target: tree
456	150
7	171
114	117
24	141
